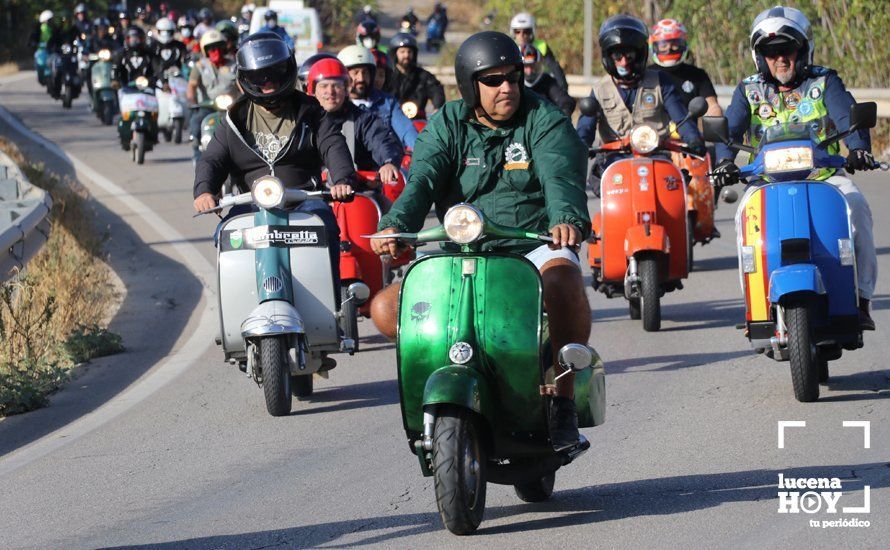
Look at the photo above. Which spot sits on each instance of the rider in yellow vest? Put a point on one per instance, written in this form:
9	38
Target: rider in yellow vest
788	88
522	27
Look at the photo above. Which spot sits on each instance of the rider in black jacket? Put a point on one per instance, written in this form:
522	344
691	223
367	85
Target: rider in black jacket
410	82
169	51
273	129
134	60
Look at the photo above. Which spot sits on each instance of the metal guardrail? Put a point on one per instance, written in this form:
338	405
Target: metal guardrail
579	86
24	227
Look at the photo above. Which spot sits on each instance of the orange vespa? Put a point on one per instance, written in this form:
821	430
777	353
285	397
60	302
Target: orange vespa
639	242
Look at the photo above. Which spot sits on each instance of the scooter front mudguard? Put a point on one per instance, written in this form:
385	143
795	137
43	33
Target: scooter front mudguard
459	385
795	278
107	94
272	318
639	238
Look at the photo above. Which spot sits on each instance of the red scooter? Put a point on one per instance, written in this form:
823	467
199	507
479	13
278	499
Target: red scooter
357	261
639	243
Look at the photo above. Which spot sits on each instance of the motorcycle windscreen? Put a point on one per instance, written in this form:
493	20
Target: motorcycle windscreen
506	317
312	282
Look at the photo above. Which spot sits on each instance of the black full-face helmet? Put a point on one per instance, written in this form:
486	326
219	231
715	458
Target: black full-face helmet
303	72
265	57
135	37
480	52
624	32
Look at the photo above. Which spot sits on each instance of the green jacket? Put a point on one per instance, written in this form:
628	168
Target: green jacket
530	174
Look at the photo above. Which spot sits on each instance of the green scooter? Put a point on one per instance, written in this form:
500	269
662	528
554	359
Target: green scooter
476	373
104	98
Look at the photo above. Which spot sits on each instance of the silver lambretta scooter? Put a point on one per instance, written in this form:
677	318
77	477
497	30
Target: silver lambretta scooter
278	312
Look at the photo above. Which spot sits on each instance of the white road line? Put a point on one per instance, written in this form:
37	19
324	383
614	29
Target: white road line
161	373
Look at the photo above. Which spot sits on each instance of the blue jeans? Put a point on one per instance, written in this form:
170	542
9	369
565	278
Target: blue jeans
195	120
311	206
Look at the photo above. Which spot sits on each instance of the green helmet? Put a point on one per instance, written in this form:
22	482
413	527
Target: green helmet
228	30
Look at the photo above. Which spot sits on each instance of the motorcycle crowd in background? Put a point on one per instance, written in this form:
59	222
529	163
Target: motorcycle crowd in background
806	253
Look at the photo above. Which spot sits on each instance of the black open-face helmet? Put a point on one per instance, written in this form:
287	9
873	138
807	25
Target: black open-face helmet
480	52
265	57
624	32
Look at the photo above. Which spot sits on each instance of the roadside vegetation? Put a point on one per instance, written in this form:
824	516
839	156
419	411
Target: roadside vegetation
53	314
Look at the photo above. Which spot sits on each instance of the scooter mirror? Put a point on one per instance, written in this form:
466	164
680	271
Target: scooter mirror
589	106
863	115
697	107
576	357
358	292
728	195
715	129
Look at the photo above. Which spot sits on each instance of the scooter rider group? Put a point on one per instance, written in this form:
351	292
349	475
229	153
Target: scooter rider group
788	88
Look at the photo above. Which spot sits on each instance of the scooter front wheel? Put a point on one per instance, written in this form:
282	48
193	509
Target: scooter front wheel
139	148
66	97
650	293
538	490
802	352
275	374
459	470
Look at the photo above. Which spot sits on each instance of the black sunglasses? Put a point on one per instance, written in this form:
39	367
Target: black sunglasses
495	80
630	55
778	50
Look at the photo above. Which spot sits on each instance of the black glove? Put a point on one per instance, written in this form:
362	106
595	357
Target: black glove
859	159
726	173
697	148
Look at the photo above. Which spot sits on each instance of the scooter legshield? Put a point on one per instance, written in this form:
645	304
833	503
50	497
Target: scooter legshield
502	326
813	217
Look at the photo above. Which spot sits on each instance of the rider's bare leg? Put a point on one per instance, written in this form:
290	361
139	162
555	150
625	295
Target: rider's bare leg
385	310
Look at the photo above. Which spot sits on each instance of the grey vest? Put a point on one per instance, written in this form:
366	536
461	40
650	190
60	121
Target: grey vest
617	121
215	81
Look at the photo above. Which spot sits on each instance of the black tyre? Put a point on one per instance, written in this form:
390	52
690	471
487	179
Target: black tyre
823	371
650	293
459	470
107	113
139	148
178	126
633	307
276	374
168	135
538	490
66	97
301	386
802	352
690	240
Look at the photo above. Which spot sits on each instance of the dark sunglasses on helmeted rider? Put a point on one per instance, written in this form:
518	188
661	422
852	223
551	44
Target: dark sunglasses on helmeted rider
778	50
495	80
629	55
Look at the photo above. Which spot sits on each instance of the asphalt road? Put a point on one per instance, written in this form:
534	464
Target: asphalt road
167	446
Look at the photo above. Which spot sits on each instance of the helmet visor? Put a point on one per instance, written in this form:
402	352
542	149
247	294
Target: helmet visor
781	49
669	50
269	78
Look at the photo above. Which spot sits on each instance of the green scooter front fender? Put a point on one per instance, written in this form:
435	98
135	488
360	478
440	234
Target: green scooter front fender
463	386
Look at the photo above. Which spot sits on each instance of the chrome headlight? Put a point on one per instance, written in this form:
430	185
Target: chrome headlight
141	82
223	101
268	192
644	139
66	49
788	159
463	223
105	55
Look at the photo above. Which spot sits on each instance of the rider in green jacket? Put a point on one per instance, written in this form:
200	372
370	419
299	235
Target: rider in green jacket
517	158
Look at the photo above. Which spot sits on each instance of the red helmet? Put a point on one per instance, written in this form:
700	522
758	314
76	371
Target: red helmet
325	69
667	42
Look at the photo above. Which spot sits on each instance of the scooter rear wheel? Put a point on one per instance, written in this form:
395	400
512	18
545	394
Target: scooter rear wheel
177	130
107	113
301	386
538	490
690	240
633	308
802	352
66	97
276	374
459	470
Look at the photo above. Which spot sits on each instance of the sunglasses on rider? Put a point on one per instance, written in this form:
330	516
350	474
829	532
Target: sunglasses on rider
778	50
629	55
522	31
495	80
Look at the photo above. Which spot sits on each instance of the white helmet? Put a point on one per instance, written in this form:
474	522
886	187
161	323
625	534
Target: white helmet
45	16
165	28
523	20
248	8
782	25
353	56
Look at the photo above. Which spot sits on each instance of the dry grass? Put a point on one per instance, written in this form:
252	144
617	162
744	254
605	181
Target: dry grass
51	314
9	68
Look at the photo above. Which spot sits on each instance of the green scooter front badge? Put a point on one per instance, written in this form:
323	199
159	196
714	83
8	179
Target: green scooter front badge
236	239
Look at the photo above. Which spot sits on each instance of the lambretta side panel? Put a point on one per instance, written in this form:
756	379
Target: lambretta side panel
775	215
311	277
491	302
